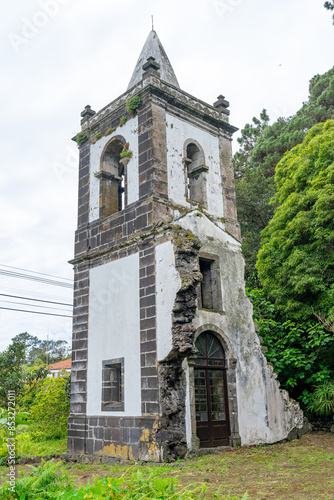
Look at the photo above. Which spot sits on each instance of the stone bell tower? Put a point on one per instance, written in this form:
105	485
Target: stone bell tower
165	355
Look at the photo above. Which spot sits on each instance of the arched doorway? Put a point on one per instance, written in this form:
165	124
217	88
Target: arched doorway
211	404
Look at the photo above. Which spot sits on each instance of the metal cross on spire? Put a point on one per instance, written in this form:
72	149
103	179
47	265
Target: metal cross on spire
152	23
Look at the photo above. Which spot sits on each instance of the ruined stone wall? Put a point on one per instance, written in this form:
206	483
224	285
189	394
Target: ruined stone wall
171	373
265	413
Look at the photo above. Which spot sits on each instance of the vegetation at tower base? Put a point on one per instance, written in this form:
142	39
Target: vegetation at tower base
302	352
322	401
52	481
51	408
296	261
262	147
41	403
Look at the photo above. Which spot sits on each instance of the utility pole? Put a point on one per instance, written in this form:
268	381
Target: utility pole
47	349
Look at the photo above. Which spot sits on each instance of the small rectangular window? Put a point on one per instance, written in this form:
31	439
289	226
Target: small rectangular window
210	296
113	385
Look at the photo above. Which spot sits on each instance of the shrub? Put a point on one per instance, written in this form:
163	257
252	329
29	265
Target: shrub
46	482
110	131
81	138
126	152
302	352
123	121
133	103
51	408
322	400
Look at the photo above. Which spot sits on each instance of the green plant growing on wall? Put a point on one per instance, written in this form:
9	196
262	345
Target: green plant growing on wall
126	152
110	131
123	121
81	138
98	135
133	103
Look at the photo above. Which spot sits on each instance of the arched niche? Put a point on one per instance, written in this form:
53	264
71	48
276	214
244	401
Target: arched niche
195	172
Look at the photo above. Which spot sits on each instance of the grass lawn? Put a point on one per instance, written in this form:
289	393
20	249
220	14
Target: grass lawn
302	469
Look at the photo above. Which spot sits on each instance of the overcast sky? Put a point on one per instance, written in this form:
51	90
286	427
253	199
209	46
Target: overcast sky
59	55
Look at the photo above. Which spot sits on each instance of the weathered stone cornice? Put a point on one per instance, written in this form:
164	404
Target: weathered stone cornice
172	95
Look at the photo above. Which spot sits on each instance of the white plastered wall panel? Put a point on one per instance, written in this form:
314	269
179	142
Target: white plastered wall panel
130	133
178	131
167	284
114	332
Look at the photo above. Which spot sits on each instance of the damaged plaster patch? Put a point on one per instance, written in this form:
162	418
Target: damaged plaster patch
198	223
172	381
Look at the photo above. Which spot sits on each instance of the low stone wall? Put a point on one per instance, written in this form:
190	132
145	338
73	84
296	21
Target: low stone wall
321	424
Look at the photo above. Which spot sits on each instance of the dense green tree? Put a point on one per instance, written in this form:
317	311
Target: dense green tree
13	375
49	351
42	351
11	361
296	262
262	147
249	137
302	352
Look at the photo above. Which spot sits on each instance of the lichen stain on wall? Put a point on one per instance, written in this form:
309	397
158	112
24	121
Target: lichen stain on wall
150	449
117	451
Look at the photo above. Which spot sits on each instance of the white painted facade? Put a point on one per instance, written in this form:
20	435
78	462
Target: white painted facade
168	283
130	133
114	332
177	133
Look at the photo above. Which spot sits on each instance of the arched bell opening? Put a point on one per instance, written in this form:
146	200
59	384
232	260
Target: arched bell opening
196	170
112	174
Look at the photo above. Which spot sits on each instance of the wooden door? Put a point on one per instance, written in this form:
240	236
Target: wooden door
211	407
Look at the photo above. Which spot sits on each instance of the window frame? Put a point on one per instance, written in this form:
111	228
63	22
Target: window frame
106	403
216	290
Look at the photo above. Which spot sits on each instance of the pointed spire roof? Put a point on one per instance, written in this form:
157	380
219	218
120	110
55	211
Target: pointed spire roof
154	48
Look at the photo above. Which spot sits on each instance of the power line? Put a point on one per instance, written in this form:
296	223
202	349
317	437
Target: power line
13	274
35	272
36	300
36	312
33	305
16	290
